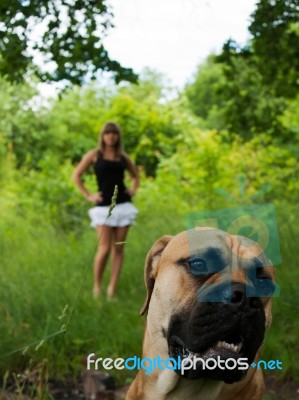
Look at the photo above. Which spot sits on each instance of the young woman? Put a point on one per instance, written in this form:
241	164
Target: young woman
109	163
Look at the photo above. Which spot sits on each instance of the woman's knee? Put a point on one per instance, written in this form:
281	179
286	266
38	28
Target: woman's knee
118	249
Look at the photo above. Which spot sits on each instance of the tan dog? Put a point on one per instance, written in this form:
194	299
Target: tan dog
208	296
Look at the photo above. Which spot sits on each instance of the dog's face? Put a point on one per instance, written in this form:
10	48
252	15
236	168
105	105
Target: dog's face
209	297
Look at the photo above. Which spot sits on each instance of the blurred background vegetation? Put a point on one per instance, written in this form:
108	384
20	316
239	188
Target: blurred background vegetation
230	137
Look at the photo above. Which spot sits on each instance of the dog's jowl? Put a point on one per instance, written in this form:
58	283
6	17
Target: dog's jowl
208	307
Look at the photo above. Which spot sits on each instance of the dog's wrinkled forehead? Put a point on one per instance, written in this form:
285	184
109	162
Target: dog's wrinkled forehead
192	242
217	246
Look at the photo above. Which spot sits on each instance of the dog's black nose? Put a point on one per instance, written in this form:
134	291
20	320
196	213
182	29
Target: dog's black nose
240	297
238	293
231	293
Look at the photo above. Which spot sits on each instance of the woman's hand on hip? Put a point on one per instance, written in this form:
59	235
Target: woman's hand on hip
131	192
96	198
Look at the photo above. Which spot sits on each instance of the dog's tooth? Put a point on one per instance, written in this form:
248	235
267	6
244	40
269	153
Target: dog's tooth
229	346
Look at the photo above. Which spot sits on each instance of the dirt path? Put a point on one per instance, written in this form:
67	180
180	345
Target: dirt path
100	386
284	389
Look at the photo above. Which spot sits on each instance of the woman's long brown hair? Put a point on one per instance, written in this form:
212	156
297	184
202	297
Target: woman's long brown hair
111	127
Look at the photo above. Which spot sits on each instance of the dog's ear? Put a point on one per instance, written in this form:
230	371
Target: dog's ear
150	269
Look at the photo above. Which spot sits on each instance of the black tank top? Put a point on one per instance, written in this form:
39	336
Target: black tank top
110	173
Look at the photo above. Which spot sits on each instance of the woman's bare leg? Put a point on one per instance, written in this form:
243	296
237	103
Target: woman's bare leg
105	235
117	253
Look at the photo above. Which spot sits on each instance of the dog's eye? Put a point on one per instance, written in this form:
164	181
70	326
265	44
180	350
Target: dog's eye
198	266
262	285
265	285
262	282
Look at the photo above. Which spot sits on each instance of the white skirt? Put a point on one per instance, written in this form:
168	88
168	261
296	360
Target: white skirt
123	214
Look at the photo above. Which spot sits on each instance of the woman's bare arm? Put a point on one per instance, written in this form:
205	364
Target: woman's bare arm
87	160
133	174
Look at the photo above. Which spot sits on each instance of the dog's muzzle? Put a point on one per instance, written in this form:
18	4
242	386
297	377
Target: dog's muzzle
224	323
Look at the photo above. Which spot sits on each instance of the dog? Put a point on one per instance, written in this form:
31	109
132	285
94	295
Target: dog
208	296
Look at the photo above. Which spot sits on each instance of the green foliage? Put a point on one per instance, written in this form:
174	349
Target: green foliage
206	94
73	121
251	108
275	44
51	192
248	90
290	120
19	125
67	35
273	48
231	96
206	165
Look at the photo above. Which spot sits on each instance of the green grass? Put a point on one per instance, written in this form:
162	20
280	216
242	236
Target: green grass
282	338
42	272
